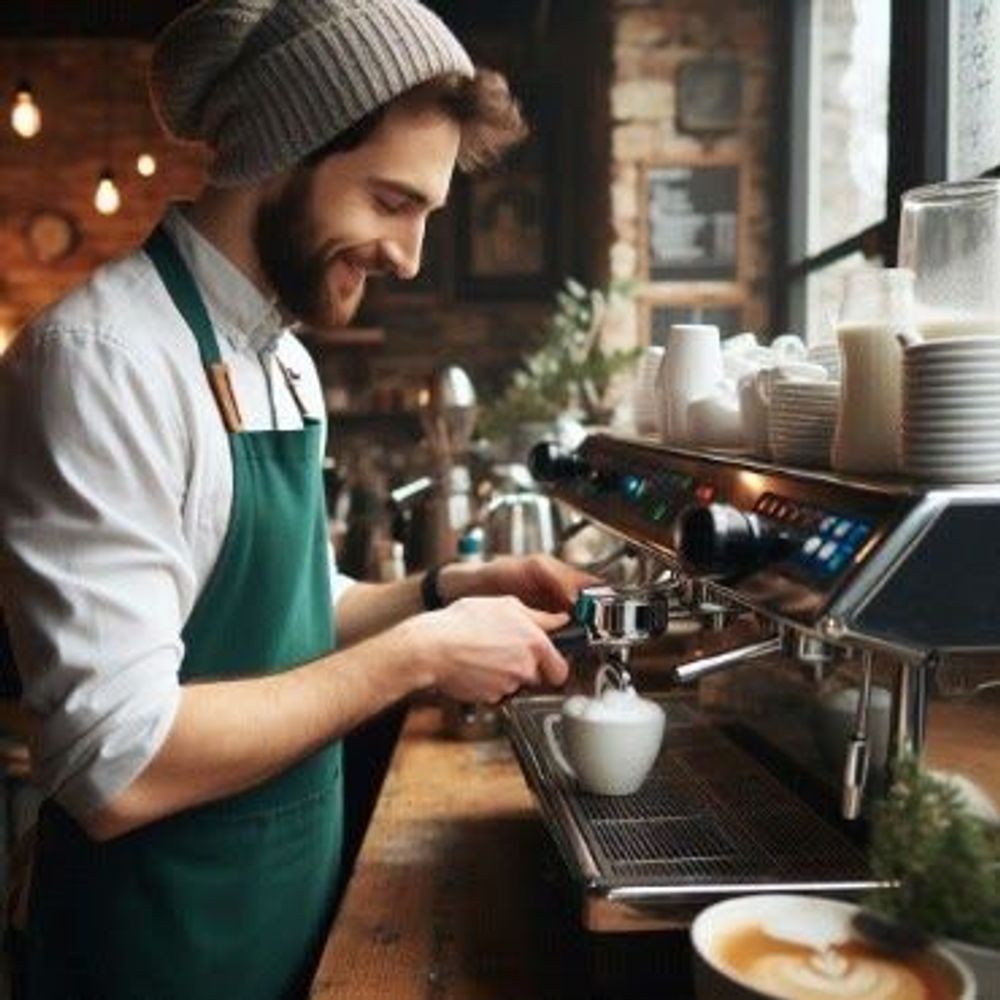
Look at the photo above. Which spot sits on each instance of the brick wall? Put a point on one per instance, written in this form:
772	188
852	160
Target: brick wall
610	112
58	169
651	40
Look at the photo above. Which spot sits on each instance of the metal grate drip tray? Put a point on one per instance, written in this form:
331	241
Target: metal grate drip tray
710	821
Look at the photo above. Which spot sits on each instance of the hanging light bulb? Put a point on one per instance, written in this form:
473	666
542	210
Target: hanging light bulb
25	115
145	164
107	199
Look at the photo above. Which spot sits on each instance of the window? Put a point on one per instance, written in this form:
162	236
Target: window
843	126
885	95
974	91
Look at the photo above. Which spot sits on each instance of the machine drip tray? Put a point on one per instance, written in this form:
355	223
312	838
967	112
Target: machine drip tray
709	822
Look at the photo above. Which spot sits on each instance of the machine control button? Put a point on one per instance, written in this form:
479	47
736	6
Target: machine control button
836	561
826	551
812	545
827	524
842	528
858	534
633	487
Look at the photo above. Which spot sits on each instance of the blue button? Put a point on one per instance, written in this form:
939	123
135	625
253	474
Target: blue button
836	561
827	525
842	528
811	544
827	551
633	486
858	535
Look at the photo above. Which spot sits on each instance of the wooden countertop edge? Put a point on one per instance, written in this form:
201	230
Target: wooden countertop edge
445	805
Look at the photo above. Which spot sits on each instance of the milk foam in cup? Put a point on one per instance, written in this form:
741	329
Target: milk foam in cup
608	743
785	947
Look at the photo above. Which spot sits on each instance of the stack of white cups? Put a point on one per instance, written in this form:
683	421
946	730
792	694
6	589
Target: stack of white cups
644	402
951	410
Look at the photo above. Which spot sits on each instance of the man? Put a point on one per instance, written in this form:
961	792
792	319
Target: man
166	578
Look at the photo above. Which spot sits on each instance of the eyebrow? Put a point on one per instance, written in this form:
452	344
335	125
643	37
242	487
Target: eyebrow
407	191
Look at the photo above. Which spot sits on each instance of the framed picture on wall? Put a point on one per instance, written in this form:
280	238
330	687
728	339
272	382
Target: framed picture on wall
709	96
660	316
503	241
691	230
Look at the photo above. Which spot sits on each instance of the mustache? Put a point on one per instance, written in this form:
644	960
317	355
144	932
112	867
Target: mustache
372	262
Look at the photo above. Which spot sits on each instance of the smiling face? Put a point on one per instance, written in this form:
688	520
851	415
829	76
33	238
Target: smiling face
328	226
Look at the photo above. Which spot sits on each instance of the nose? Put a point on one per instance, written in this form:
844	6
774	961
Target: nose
404	249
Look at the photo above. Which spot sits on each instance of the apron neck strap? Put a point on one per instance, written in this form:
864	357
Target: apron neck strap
175	275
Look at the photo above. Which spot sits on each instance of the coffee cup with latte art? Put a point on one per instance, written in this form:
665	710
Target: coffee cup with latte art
784	947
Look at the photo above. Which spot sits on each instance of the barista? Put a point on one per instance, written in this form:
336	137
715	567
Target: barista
173	608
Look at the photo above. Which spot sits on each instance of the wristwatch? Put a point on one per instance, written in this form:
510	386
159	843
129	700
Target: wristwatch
430	593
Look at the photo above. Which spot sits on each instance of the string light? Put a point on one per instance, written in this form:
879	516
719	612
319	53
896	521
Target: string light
25	115
145	165
107	198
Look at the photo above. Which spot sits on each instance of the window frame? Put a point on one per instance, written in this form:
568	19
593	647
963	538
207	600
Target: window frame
920	43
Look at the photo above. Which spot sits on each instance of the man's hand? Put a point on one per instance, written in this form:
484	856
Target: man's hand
484	649
539	581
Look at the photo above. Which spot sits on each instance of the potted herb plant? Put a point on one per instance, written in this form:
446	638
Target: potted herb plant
939	864
570	372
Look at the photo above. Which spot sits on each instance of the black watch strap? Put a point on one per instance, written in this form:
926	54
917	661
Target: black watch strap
430	593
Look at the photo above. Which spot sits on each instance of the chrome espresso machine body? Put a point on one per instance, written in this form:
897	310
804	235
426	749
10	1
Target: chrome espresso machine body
866	616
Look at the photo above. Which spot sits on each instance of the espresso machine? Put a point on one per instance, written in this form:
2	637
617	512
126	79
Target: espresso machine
823	626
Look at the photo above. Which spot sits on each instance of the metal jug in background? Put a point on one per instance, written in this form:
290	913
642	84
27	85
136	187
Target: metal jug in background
519	524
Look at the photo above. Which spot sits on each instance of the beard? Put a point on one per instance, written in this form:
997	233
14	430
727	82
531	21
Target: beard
296	268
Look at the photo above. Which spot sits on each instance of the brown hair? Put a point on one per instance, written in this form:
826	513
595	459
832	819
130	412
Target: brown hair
489	116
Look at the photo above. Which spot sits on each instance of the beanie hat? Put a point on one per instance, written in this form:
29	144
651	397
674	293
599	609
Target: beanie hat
266	82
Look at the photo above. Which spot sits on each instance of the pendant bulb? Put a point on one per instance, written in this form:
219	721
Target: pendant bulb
145	165
107	198
25	115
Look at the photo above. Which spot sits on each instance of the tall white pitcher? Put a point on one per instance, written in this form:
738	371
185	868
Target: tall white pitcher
877	306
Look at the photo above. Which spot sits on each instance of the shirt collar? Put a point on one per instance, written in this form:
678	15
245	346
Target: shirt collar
238	309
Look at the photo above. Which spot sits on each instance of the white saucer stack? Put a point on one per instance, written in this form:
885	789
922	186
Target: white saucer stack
827	354
951	410
644	396
802	421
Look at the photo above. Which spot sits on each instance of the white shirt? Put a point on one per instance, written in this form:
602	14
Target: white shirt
115	498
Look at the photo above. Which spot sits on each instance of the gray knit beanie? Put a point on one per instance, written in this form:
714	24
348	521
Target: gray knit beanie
265	82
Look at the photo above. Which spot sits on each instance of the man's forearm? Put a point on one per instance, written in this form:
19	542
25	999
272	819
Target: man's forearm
250	730
365	609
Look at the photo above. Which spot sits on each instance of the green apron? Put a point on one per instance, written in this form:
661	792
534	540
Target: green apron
231	899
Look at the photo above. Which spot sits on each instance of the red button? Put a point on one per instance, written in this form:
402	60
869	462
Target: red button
705	493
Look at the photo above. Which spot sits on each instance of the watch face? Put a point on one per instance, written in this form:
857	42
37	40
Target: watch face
50	235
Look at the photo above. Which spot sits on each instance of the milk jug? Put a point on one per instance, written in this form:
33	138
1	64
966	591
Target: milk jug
877	306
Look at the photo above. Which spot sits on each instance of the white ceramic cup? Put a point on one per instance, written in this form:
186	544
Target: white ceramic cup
692	368
606	744
803	920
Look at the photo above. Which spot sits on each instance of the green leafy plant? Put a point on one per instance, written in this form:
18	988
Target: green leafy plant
570	370
943	862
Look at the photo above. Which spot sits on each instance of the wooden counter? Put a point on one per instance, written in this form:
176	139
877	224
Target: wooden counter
458	894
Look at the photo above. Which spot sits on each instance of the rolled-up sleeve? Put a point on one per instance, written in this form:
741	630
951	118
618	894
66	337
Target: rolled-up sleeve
95	578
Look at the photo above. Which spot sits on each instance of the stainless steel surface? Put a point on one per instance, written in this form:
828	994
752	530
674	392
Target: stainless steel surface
520	524
695	670
448	416
886	597
623	616
709	822
914	580
857	759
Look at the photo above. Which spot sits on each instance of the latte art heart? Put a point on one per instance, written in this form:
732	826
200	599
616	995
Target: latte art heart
831	976
841	968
